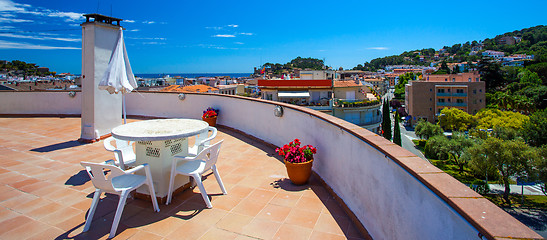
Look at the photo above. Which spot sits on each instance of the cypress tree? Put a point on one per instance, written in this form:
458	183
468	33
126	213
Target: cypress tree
386	122
397	130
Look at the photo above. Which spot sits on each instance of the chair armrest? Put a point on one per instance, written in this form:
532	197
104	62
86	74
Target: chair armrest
179	157
111	162
132	170
213	135
108	144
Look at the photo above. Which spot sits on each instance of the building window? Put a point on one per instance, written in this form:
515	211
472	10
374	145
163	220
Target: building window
459	100
480	100
431	89
440	90
474	91
449	100
480	90
476	79
445	80
441	100
469	80
459	90
430	109
453	79
430	99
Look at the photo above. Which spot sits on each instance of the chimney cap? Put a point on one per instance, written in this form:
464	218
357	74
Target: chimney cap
102	18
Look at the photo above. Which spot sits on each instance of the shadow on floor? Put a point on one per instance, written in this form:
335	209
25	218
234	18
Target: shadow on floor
58	146
78	179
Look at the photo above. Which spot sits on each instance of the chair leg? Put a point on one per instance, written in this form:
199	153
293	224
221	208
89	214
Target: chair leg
197	177
118	216
153	195
171	185
92	209
219	180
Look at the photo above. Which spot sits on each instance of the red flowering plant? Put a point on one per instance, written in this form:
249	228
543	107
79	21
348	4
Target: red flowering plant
293	153
210	113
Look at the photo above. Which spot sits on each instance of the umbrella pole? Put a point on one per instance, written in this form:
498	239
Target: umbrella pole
123	109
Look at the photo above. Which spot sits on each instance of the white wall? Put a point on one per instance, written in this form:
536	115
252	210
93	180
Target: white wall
102	110
390	202
40	103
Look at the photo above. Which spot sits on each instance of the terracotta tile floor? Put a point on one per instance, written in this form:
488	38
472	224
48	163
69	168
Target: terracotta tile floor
45	194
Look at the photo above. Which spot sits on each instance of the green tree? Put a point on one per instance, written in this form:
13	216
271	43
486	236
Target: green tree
456	148
527	76
510	158
436	147
425	129
534	129
540	166
455	119
386	122
397	130
490	118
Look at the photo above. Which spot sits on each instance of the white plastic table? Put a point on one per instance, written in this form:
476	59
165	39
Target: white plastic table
157	141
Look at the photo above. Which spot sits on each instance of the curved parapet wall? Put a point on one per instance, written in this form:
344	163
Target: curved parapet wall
41	103
394	194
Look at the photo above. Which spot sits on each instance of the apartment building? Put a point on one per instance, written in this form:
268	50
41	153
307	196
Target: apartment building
425	98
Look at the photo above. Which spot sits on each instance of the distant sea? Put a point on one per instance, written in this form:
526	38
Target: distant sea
192	75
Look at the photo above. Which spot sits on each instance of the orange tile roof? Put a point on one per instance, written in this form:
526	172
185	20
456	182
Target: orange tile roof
349	83
172	88
199	88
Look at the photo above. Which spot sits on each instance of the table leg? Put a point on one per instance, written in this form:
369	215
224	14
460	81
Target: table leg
159	155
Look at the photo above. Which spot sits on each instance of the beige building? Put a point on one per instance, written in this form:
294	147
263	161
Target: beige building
426	98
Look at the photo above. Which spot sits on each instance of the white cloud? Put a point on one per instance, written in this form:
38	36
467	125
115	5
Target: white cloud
13	20
18	45
233	25
152	43
129	21
133	30
146	38
7	7
240	43
224	35
39	38
378	48
214	28
248	34
148	22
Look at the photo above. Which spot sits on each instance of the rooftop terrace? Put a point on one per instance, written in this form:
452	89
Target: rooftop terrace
381	187
45	193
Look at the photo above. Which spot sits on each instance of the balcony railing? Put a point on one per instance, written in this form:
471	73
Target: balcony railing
383	185
451	94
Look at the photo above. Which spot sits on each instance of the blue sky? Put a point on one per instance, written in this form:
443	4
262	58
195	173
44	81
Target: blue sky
181	36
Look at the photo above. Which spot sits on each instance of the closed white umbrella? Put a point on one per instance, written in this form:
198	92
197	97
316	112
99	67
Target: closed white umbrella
119	77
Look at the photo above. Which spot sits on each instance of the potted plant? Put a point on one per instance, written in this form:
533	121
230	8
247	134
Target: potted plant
210	116
298	161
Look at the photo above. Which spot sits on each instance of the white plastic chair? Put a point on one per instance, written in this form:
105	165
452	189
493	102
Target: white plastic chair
123	152
118	182
195	167
203	140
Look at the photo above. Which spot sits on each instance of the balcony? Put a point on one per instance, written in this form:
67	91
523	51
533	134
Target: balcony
364	186
459	94
443	94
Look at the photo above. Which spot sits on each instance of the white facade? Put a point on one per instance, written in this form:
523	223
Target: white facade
101	111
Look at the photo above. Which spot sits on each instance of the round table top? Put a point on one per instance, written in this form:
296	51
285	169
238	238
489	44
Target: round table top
159	129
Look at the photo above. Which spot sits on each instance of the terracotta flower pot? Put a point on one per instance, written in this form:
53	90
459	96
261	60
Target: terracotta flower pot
299	173
212	121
